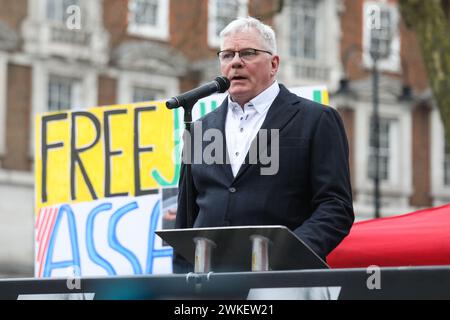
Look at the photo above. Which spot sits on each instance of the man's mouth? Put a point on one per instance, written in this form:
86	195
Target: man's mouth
237	78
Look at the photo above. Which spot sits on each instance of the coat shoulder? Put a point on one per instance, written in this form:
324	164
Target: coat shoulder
309	106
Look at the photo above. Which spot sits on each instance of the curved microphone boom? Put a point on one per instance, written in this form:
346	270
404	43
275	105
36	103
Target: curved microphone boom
189	98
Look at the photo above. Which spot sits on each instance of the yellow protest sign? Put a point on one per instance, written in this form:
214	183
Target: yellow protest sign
102	152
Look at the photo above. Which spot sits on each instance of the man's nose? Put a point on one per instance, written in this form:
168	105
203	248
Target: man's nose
237	61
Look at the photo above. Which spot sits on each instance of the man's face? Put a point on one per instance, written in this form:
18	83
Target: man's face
248	78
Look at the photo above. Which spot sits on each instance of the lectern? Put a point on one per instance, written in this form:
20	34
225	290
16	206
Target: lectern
243	248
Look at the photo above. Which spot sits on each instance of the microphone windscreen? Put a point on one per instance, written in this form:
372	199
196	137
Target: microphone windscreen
223	83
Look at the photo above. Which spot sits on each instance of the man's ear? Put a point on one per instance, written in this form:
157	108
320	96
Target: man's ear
275	63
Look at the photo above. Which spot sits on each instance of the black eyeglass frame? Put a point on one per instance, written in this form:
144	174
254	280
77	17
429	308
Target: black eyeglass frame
239	52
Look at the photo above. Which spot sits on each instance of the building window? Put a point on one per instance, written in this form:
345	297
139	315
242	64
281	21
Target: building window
303	29
307	31
63	93
66	28
226	11
381	35
57	9
58	85
144	87
145	12
222	12
149	18
3	103
61	31
446	164
383	151
440	160
141	94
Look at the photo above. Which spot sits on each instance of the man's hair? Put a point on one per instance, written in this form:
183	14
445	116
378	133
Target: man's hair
245	24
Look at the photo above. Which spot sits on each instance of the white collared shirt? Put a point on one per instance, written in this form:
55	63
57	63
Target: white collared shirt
241	126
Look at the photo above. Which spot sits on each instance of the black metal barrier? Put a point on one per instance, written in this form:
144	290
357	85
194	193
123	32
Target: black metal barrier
383	283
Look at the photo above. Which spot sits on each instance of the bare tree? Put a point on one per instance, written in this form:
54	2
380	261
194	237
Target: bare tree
430	19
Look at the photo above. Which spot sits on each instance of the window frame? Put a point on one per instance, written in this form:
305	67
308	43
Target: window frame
317	27
75	92
61	9
439	190
159	31
90	43
325	68
3	102
128	80
213	38
159	94
384	152
41	72
446	167
392	62
396	191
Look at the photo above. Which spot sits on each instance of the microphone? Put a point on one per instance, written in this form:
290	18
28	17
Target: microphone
220	84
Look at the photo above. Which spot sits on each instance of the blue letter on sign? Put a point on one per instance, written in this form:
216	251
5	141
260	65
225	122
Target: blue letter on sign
75	262
114	242
92	252
152	252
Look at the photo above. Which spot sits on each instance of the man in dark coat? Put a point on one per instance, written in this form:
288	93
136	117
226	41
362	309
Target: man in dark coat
306	185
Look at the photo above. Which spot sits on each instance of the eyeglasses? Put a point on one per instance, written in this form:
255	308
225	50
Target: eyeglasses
225	56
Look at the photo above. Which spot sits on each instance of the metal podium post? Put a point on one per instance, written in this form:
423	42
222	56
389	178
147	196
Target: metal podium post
260	253
203	250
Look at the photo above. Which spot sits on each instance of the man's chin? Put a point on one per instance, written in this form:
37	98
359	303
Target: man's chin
239	91
241	99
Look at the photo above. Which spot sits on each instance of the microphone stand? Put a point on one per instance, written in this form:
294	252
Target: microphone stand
188	175
187	102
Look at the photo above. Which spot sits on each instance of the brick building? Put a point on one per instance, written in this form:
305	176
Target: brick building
122	51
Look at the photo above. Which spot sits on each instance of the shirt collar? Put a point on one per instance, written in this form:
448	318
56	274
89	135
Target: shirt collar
262	101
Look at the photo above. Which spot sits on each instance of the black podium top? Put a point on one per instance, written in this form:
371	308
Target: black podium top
233	250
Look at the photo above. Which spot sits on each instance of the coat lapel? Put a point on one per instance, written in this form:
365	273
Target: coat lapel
218	122
279	114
